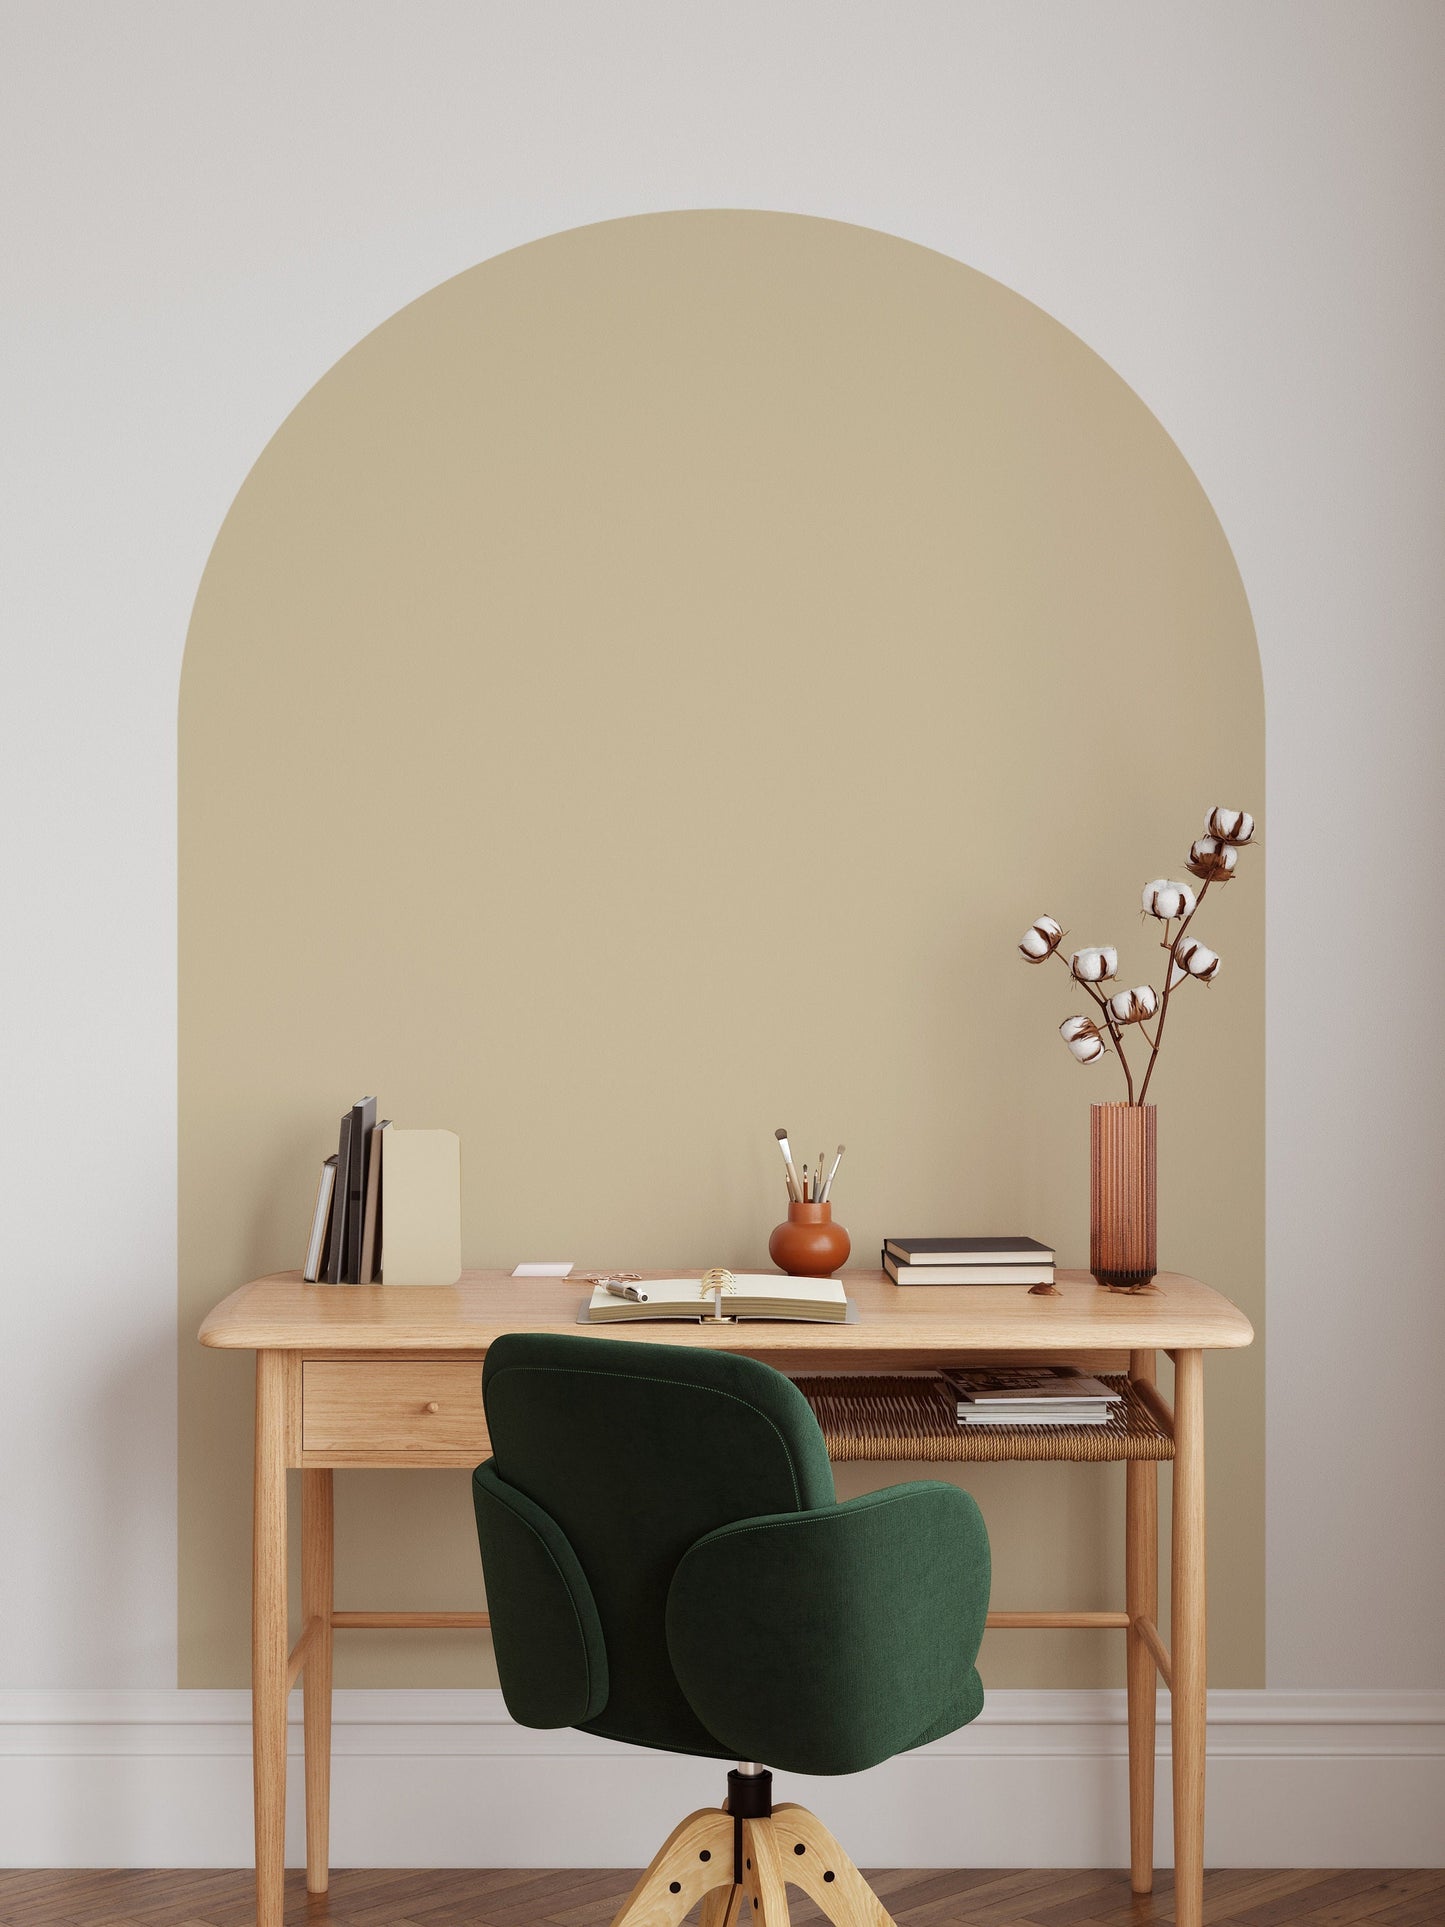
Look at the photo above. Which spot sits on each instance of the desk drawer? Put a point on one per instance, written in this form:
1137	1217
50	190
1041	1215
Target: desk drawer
393	1411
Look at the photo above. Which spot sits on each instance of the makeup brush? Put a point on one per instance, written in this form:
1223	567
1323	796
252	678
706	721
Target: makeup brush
793	1192
828	1181
818	1180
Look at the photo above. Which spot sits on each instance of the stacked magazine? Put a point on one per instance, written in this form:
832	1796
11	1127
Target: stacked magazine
1032	1395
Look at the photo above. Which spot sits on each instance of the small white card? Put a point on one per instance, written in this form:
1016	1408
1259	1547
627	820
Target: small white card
557	1270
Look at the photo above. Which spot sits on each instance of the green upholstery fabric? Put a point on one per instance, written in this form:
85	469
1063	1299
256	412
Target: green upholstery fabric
825	1642
542	1610
718	1600
636	1451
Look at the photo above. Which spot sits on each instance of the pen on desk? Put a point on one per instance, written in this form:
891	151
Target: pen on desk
833	1172
793	1191
624	1291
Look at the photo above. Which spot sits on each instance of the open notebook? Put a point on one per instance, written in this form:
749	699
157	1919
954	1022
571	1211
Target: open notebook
753	1294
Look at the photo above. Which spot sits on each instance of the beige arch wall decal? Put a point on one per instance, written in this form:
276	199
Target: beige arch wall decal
638	697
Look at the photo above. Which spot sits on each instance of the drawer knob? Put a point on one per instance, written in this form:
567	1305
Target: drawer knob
431	1406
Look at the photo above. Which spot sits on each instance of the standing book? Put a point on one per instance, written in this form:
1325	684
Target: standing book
363	1124
336	1249
320	1221
371	1211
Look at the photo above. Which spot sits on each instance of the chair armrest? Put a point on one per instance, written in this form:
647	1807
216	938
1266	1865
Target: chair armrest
551	1657
826	1641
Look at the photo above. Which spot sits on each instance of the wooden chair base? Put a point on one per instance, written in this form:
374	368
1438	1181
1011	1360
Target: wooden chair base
696	1863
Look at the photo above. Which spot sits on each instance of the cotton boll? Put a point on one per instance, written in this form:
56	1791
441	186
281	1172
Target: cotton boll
1040	940
1167	900
1081	1034
1194	959
1133	1006
1212	859
1230	826
1095	966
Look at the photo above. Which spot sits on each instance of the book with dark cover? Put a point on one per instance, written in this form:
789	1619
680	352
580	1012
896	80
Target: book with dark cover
363	1123
371	1227
336	1248
969	1251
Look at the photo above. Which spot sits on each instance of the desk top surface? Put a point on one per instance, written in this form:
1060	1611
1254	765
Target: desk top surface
901	1323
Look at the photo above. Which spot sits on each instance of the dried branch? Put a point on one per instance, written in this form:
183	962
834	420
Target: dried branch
1169	985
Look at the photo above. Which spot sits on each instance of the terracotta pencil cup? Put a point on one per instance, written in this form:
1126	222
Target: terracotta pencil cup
809	1245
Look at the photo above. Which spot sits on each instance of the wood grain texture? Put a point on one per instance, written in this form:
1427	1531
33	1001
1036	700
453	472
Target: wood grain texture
1141	1593
393	1411
318	1541
378	1393
1148	1632
396	1622
764	1894
1187	1640
591	1897
899	1326
695	1859
269	1632
814	1861
1057	1621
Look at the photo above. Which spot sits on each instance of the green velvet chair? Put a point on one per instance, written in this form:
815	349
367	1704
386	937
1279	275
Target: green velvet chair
667	1563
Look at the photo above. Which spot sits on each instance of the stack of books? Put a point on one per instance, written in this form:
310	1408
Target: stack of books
417	1240
968	1261
342	1247
1027	1395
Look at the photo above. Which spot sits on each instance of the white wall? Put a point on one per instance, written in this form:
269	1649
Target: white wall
1239	207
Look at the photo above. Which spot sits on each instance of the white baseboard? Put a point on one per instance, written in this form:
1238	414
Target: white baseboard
445	1779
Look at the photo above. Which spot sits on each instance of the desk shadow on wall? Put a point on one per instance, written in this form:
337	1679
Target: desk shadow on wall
638	698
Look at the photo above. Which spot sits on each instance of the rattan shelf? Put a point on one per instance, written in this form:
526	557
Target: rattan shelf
878	1416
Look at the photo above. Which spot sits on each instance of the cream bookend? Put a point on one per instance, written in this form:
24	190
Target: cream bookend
421	1193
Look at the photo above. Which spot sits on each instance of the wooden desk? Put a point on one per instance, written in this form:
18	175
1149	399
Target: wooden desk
389	1376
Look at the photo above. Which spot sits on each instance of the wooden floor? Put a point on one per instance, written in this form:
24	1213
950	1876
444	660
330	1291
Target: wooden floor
579	1898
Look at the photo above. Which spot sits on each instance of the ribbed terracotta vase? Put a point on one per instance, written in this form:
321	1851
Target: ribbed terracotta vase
1123	1230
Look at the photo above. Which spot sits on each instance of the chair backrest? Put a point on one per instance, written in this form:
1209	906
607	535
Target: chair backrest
634	1451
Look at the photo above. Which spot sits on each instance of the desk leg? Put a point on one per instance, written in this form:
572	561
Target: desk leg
1187	1652
317	1569
1141	1593
268	1638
